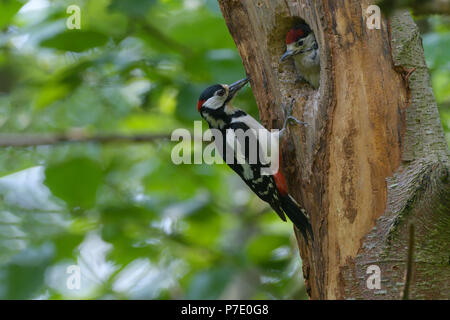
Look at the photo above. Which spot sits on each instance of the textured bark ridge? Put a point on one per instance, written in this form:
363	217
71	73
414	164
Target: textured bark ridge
373	158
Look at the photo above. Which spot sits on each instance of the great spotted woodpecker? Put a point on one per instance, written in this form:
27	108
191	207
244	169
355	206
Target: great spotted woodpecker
301	44
215	107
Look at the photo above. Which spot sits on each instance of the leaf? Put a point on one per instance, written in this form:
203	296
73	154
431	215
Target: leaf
9	8
127	228
188	96
62	84
132	8
75	40
75	181
210	284
25	274
127	214
66	245
260	249
51	93
185	27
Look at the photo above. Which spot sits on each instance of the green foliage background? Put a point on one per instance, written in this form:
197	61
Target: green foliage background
135	224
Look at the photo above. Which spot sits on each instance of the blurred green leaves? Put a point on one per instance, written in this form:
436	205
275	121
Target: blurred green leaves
75	40
209	285
132	8
75	181
24	276
261	249
165	231
9	8
136	224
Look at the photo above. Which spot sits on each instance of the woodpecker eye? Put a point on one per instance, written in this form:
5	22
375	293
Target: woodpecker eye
300	42
221	92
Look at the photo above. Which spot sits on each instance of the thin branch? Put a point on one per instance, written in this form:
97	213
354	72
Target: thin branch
409	265
29	140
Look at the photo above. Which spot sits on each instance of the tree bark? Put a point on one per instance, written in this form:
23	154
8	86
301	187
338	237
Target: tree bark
373	159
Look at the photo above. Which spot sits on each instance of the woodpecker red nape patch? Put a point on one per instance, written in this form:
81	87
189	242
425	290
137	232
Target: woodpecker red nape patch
200	104
293	35
299	31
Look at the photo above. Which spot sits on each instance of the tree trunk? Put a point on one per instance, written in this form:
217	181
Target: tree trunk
373	159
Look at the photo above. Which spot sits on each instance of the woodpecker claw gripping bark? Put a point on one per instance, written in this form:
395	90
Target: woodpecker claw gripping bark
291	118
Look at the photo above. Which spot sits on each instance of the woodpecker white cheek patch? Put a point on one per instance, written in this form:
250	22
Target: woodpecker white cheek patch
214	103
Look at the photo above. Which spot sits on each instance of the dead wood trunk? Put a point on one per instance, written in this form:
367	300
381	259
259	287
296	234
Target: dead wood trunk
373	158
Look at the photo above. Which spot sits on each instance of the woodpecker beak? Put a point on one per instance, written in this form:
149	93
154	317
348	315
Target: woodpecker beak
235	87
287	54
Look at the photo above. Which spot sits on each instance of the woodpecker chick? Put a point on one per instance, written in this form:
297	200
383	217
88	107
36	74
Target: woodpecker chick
301	44
214	105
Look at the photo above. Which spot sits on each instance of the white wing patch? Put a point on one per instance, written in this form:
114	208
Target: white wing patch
250	122
268	141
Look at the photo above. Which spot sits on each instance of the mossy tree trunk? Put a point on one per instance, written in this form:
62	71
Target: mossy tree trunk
373	159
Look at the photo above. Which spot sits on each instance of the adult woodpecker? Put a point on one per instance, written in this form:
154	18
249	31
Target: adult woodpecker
301	44
215	107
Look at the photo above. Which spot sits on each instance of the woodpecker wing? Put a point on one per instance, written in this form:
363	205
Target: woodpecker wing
248	157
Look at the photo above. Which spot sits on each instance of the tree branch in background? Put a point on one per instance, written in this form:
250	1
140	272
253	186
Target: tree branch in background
29	140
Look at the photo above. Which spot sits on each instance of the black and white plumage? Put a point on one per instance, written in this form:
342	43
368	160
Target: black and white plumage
215	107
301	44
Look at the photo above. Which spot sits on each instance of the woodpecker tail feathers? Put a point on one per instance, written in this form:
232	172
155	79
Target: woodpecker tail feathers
297	215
